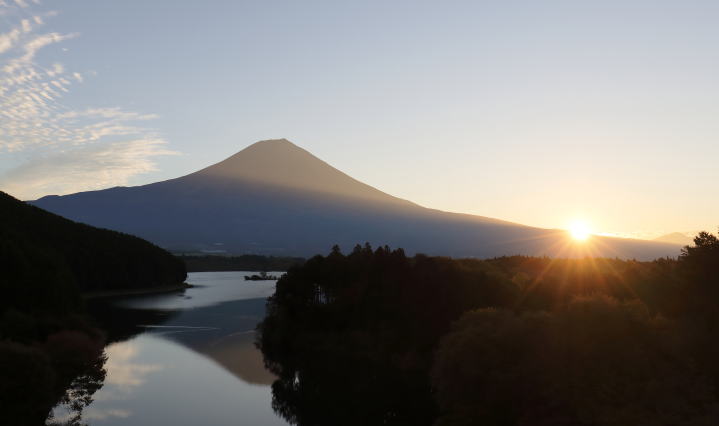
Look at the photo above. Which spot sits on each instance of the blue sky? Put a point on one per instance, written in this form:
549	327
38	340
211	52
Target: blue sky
535	112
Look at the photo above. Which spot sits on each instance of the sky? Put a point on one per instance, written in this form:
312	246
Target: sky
541	113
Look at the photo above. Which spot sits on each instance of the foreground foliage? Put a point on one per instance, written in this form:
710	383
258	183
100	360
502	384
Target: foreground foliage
376	337
48	360
595	361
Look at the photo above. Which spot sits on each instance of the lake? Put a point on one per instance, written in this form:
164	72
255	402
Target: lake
185	358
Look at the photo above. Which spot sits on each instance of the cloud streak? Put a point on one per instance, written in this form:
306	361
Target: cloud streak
66	150
95	166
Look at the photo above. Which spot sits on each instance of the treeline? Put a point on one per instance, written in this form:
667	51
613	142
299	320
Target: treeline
246	262
49	352
376	337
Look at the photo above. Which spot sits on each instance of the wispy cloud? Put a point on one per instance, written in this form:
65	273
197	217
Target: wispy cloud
66	150
95	166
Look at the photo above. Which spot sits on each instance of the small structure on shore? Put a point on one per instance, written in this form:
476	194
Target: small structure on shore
262	277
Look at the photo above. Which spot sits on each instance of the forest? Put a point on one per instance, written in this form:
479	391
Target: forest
38	248
50	352
378	337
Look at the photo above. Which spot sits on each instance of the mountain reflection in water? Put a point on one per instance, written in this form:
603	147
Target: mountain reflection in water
170	356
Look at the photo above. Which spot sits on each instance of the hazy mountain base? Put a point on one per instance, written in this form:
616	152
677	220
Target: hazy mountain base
368	339
247	262
675	238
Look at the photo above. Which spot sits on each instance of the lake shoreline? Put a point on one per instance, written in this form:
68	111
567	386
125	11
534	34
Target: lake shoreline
161	345
135	292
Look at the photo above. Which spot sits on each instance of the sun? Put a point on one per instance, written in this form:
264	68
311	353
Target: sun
579	230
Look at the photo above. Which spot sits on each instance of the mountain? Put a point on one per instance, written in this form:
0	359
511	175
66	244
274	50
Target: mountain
47	260
675	238
276	198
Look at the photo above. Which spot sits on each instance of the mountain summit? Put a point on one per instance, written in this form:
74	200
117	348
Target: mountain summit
280	163
274	197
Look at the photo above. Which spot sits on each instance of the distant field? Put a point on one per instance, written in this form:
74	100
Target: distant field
247	262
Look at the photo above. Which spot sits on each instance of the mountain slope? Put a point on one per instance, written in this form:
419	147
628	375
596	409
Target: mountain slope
276	198
283	164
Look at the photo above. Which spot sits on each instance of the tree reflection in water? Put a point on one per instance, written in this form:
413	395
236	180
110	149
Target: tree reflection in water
118	324
46	365
79	394
332	385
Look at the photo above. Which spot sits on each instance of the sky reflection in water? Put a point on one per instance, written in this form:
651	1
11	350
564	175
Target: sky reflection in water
199	367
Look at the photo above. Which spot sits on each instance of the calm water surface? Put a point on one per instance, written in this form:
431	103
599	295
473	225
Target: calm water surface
196	366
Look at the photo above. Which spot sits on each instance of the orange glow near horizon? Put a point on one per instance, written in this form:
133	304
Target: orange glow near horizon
579	230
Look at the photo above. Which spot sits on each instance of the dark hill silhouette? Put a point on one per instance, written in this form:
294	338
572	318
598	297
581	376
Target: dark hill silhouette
46	260
276	198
